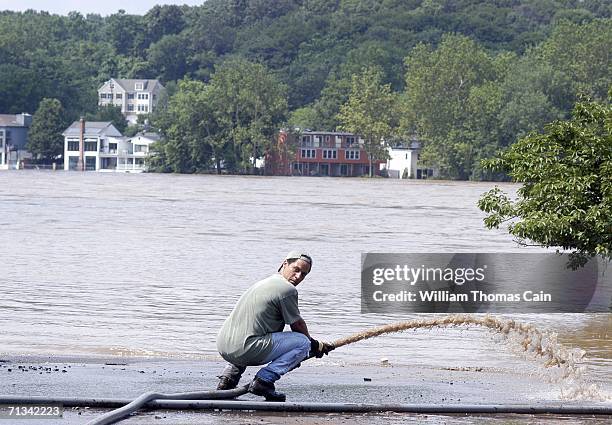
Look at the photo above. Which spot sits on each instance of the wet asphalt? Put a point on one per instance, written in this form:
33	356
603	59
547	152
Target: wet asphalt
319	381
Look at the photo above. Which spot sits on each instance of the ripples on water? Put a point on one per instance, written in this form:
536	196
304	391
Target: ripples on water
152	264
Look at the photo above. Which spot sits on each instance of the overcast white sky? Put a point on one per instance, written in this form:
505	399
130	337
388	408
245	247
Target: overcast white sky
102	7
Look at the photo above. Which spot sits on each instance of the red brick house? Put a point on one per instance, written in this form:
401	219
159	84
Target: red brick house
320	153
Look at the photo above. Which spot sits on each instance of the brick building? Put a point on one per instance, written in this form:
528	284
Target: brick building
320	153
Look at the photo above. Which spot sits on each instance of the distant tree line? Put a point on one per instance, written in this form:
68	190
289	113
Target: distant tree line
468	77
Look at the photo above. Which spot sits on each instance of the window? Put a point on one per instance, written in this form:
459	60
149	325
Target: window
130	95
112	147
138	86
91	146
73	163
90	163
143	108
102	95
350	140
119	96
306	140
73	145
330	154
352	154
130	108
309	153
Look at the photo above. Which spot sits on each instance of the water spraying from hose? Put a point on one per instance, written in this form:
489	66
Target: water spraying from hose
542	344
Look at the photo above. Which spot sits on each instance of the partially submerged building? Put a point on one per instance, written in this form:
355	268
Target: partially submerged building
402	160
13	139
99	146
321	153
338	154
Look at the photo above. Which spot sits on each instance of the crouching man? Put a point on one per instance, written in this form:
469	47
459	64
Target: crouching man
253	334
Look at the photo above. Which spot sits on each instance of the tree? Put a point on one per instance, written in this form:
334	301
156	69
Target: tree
438	86
186	126
582	53
168	58
304	118
109	113
566	197
250	104
163	20
124	32
333	96
370	112
45	140
532	94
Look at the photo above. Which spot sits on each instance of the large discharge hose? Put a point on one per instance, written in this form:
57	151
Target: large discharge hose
123	412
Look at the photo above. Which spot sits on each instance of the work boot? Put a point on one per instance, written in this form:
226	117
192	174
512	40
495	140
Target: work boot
266	389
226	383
230	377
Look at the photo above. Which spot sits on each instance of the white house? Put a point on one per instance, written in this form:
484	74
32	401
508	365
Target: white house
135	97
140	146
101	144
402	162
105	148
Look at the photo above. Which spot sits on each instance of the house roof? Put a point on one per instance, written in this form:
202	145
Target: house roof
148	135
93	128
413	145
326	133
11	120
130	85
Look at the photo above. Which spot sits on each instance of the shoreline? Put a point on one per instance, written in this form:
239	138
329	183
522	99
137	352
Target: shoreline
318	381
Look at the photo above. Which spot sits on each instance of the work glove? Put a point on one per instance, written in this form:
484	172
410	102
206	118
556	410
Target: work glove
319	348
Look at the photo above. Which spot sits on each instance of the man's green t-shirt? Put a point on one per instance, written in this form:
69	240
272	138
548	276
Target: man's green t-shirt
245	339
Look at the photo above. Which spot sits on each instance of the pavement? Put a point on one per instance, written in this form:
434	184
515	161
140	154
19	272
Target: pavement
316	381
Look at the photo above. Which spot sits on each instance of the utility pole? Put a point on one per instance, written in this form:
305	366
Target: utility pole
81	164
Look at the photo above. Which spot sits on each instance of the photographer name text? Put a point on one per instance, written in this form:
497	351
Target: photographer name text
471	296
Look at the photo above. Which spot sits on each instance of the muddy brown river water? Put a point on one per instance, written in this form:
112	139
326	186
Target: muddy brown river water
150	265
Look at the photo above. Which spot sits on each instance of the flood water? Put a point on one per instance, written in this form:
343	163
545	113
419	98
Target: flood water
150	265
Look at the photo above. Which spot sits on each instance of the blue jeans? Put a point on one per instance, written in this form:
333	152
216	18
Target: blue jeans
288	350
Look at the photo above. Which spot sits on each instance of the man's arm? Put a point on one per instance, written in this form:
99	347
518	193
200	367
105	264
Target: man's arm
300	326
